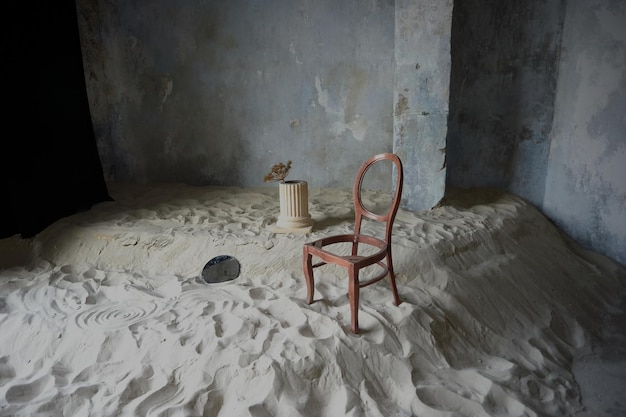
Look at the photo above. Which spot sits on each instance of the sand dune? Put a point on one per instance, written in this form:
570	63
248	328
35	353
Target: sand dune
105	313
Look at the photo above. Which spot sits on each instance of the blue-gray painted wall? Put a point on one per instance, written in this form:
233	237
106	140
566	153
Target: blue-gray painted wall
585	191
214	92
538	108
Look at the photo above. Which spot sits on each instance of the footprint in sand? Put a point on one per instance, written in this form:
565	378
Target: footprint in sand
568	329
496	368
168	397
60	374
7	372
137	386
261	294
228	325
472	391
287	313
535	388
443	399
318	326
25	393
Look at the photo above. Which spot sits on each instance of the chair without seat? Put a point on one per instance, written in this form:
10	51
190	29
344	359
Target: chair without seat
356	261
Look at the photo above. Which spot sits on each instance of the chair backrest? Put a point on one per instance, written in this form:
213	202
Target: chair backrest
360	211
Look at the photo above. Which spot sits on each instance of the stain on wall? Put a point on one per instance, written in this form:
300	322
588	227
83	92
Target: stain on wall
421	92
208	92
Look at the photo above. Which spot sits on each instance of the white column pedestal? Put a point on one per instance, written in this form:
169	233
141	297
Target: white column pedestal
294	208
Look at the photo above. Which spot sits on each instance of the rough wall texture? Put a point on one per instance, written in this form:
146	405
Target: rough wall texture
586	181
422	56
216	92
538	108
502	92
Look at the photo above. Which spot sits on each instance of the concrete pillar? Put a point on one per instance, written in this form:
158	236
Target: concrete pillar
421	93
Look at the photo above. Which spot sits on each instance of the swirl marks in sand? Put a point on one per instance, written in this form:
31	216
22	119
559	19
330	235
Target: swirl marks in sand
51	301
116	315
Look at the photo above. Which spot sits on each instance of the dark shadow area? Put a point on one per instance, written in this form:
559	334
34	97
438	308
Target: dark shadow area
465	198
502	90
50	166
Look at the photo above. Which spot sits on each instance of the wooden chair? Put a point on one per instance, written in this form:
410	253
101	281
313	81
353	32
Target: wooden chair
356	261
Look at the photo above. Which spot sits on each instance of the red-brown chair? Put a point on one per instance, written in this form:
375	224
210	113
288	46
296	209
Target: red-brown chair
356	261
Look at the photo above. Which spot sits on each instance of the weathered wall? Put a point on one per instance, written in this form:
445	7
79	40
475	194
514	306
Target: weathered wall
215	92
502	92
538	108
586	179
421	91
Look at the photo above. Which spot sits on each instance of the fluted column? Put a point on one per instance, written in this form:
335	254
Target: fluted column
294	206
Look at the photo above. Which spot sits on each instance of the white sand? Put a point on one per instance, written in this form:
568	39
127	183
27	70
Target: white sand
105	314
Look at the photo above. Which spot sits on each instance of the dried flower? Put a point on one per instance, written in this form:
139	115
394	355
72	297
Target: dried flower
278	173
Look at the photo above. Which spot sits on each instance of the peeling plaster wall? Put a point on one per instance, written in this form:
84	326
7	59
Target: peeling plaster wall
215	92
421	91
586	181
502	86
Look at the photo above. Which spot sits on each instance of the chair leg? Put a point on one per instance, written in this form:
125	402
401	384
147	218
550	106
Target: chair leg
353	292
394	289
392	281
307	266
